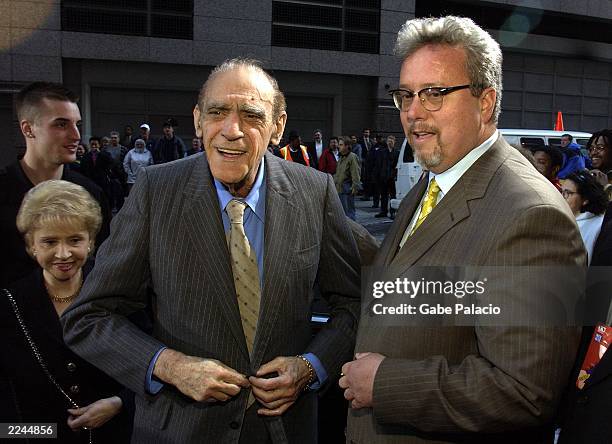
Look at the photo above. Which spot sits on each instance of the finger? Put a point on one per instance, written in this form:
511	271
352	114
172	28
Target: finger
362	355
231	376
275	365
276	404
78	412
228	389
271	396
343	382
78	422
270	383
275	412
216	396
349	395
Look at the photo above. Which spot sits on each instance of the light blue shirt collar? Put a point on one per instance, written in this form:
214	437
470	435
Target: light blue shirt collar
252	200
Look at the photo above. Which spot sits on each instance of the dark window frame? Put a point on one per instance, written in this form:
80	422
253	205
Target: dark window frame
142	17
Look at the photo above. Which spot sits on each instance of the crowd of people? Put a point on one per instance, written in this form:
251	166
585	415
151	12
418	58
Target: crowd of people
192	321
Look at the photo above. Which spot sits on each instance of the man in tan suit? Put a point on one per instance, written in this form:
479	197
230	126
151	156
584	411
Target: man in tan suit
479	204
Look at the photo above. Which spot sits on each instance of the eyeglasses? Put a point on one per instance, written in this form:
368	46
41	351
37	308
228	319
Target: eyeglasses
598	148
567	193
431	98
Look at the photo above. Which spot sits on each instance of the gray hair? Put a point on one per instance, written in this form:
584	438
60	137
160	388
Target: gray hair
484	57
278	105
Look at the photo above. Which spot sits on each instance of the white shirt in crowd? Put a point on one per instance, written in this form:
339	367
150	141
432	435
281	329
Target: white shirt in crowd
590	226
134	161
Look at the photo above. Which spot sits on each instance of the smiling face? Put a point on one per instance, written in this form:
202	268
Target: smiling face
441	138
60	249
235	124
53	135
600	154
569	189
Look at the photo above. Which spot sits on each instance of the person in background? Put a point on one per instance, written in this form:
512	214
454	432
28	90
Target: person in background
330	156
347	177
170	146
573	159
600	150
137	158
145	134
315	150
128	139
59	221
196	147
294	151
548	161
588	201
80	154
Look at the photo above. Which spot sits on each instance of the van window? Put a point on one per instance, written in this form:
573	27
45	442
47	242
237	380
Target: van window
532	141
554	141
582	142
408	155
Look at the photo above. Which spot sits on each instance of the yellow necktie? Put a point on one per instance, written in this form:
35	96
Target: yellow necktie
245	271
426	207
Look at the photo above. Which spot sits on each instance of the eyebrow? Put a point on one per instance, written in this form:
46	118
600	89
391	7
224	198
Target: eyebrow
251	109
65	120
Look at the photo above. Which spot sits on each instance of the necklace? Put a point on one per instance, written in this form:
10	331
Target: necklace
64	299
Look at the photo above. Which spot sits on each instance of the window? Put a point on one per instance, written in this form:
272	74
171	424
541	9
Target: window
337	25
148	18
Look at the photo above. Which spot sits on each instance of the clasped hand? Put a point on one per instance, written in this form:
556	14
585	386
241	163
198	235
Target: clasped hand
95	414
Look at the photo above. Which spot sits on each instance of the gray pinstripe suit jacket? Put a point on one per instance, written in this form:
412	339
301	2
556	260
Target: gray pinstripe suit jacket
474	384
170	234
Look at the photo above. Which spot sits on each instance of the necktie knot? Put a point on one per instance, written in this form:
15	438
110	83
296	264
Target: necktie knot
235	210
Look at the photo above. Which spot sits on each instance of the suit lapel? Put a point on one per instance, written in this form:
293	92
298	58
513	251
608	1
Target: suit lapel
281	219
205	229
405	213
453	208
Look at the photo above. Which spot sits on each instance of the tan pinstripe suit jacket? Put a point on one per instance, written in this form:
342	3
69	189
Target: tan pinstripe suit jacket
170	234
474	384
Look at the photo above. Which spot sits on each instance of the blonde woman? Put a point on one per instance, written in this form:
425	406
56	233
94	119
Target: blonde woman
48	383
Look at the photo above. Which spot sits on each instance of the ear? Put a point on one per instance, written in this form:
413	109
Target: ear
279	127
26	129
196	121
487	104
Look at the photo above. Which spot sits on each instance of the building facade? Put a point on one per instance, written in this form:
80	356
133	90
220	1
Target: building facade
135	61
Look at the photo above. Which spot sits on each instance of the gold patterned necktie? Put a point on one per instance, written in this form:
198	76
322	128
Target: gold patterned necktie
245	271
427	206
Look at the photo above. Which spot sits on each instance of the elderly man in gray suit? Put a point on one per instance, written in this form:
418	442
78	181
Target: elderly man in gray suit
231	244
479	204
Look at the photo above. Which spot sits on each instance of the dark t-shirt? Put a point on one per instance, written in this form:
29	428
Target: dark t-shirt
15	263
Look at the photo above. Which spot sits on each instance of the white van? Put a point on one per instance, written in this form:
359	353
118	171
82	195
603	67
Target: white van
529	138
409	172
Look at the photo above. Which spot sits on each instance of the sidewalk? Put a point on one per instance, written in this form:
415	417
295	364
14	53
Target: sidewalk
377	227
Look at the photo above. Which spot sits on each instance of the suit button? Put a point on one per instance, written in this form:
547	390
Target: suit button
234	425
71	366
75	388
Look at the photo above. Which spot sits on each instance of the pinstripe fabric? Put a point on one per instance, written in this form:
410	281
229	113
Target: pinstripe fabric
474	384
170	235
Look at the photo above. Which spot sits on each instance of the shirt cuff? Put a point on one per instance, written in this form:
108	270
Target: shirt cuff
153	386
319	370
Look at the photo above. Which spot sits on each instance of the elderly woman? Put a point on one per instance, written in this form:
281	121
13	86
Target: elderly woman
588	201
41	380
137	158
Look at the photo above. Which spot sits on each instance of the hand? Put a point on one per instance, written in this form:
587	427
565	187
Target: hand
358	379
279	393
200	379
354	191
95	414
600	177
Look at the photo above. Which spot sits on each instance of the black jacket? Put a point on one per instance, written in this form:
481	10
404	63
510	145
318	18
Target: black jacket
27	395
